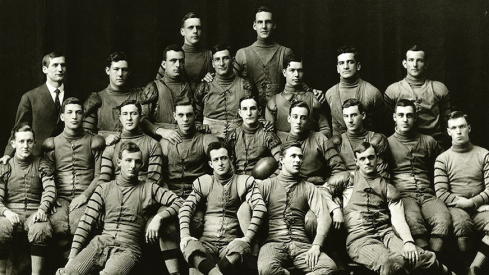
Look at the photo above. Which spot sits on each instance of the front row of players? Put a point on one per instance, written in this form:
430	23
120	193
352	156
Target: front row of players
130	170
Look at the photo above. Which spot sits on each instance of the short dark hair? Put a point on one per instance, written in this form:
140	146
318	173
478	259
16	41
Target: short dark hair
188	16
183	101
353	102
22	128
128	146
71	100
404	102
264	9
116	57
248	97
216	145
131	102
348	49
291	58
362	147
221	47
47	58
289	144
172	47
459	114
300	104
417	48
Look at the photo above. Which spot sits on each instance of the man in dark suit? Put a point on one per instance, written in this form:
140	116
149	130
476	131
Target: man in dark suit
39	108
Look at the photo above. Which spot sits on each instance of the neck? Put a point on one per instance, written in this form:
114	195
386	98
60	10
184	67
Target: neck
264	42
405	136
191	48
357	133
24	162
123	180
223	179
298	136
288	177
465	147
292	89
251	128
116	88
55	84
415	80
135	132
372	175
226	79
72	133
351	80
188	133
171	80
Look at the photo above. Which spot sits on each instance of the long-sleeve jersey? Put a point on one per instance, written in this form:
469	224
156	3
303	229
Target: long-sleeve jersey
463	171
26	185
152	158
124	204
288	201
223	198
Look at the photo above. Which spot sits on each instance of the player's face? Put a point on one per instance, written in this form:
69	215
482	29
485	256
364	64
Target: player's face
191	31
174	63
222	63
298	120
220	161
130	117
292	160
353	119
72	116
23	144
459	130
118	73
130	164
249	112
263	24
347	65
294	74
367	161
185	117
56	69
404	118
415	63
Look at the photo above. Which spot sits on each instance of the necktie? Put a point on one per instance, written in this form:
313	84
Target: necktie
56	99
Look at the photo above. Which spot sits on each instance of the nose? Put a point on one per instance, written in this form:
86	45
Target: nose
404	118
248	112
129	117
350	119
185	118
415	64
221	62
119	72
177	63
367	161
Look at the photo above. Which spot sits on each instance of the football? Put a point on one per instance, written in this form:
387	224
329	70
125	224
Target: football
264	168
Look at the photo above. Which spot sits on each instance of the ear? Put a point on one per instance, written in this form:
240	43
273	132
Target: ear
12	143
448	131
254	25
174	115
470	128
394	116
210	164
404	64
283	72
364	116
62	117
288	118
359	66
45	69
119	162
107	70
182	32
163	63
337	68
274	26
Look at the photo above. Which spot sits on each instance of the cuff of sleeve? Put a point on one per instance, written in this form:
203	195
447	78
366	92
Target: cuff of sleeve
408	240
44	208
477	202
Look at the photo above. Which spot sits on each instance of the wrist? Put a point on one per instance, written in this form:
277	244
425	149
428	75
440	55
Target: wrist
410	241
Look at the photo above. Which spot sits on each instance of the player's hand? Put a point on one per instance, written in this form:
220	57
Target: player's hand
203	128
153	229
208	78
12	217
320	95
312	255
111	139
238	245
462	202
78	202
40	216
338	219
483	208
4	160
269	127
410	253
171	135
184	242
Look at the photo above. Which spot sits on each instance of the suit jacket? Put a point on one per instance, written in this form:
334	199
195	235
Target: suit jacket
37	109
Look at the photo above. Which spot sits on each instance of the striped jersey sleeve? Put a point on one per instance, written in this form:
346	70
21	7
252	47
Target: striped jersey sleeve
255	199
107	169
4	174
188	208
167	198
155	168
333	159
92	213
49	188
483	197
441	181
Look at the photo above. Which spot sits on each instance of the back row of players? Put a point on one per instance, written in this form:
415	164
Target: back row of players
76	162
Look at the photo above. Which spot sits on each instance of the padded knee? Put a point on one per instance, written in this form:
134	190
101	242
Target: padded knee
191	249
393	264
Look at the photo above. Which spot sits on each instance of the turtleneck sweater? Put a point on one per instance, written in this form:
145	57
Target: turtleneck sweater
278	107
431	99
262	64
24	182
321	160
219	99
413	157
224	195
463	171
101	109
251	144
158	100
288	199
367	94
76	158
123	203
151	168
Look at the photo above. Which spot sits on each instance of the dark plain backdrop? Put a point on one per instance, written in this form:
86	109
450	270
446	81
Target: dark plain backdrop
457	33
